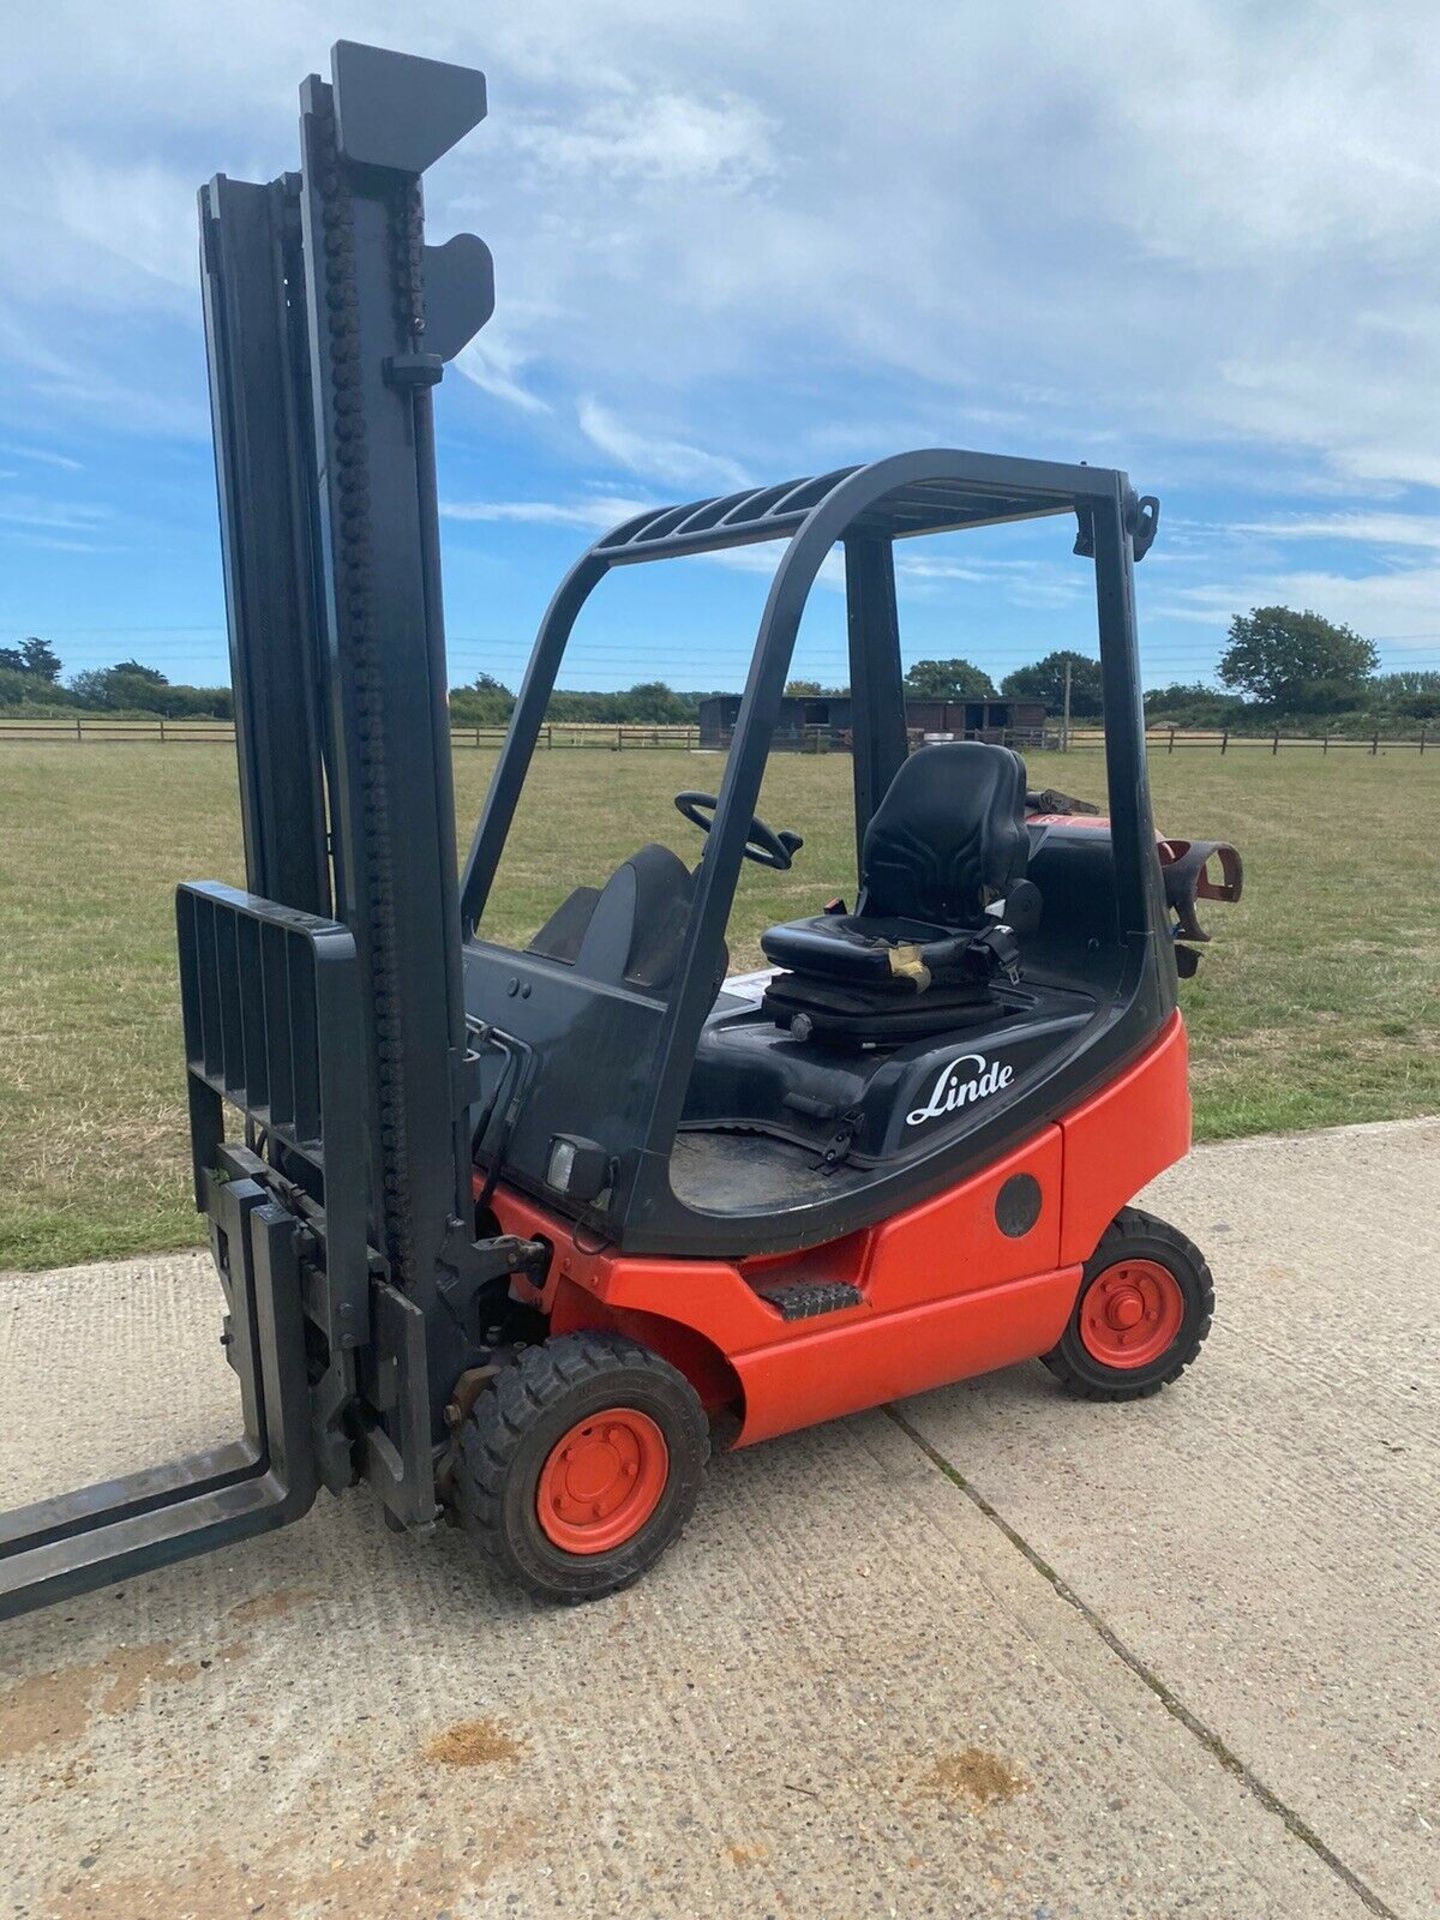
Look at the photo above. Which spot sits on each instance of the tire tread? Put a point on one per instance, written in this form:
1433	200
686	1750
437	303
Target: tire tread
508	1411
1129	1225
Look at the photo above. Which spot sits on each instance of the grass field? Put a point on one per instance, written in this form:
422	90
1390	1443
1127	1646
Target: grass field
1318	1003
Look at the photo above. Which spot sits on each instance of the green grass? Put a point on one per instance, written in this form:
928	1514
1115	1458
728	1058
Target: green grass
1318	1003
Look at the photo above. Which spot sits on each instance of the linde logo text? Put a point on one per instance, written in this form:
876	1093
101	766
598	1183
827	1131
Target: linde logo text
961	1082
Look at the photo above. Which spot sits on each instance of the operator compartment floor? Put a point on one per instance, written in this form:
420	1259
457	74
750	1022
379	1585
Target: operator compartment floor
735	1172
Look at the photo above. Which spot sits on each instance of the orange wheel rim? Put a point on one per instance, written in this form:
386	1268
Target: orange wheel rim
601	1481
1132	1312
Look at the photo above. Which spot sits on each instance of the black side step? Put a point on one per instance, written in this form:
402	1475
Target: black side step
804	1299
120	1528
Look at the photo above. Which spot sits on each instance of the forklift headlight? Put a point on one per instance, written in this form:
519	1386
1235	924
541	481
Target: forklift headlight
578	1168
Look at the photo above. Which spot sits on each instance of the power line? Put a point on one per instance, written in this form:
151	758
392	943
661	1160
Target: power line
651	648
26	631
464	639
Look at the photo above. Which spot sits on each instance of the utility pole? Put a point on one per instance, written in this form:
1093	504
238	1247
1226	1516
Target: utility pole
1065	719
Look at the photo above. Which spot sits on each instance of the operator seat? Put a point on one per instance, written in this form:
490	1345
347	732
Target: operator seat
942	890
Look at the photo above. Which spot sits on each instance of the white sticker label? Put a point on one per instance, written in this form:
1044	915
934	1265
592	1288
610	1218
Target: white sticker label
960	1083
749	986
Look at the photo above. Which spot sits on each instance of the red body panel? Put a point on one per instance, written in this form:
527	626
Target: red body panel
1120	1138
945	1294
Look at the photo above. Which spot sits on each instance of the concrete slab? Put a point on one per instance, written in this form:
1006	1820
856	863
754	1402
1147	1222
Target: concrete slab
1263	1536
850	1691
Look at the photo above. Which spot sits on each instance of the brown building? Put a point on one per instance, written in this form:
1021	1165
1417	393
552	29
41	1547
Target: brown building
823	720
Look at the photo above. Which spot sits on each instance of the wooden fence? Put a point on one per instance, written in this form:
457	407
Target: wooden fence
1222	740
85	730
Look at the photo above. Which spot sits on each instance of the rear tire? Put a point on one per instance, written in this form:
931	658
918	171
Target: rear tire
1144	1307
580	1464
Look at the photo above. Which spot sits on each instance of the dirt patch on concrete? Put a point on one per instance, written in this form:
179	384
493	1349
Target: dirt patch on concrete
754	1855
272	1606
419	1879
974	1775
473	1743
53	1709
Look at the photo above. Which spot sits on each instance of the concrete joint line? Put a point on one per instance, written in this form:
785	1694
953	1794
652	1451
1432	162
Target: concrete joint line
1208	1738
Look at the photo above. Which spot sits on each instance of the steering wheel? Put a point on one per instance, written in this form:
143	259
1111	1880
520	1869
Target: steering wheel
762	844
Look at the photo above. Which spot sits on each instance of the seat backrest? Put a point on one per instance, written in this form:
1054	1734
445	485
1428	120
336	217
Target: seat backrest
949	836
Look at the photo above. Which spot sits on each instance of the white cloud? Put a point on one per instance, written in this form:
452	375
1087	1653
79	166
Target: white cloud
1035	583
497	365
1209	243
598	513
661	458
23	510
1370	529
50	543
1400	608
44	455
669	137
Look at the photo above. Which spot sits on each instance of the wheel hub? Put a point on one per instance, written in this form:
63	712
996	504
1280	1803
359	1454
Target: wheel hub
1132	1312
601	1481
1125	1309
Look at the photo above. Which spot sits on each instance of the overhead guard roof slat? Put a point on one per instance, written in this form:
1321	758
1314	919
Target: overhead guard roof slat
984	491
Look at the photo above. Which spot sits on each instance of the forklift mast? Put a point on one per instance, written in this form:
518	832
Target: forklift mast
328	322
325	1002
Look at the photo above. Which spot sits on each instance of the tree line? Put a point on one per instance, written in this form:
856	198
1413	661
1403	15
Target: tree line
30	683
1279	667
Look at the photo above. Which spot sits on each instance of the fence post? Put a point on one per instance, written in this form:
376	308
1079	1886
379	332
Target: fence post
1375	743
1275	744
1224	740
1325	741
79	736
1422	739
162	729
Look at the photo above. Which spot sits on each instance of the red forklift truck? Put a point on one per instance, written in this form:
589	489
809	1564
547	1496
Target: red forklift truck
517	1237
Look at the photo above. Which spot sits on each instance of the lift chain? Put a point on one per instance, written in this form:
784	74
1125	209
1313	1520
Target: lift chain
355	580
407	237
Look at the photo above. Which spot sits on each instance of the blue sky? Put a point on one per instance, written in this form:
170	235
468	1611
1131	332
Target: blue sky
752	242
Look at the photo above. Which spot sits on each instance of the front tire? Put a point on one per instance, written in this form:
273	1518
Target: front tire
580	1464
1144	1307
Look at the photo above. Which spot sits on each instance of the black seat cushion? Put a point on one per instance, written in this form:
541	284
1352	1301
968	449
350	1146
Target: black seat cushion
949	836
847	946
837	1010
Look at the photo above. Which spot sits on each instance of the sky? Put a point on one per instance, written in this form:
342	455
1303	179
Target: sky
742	244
